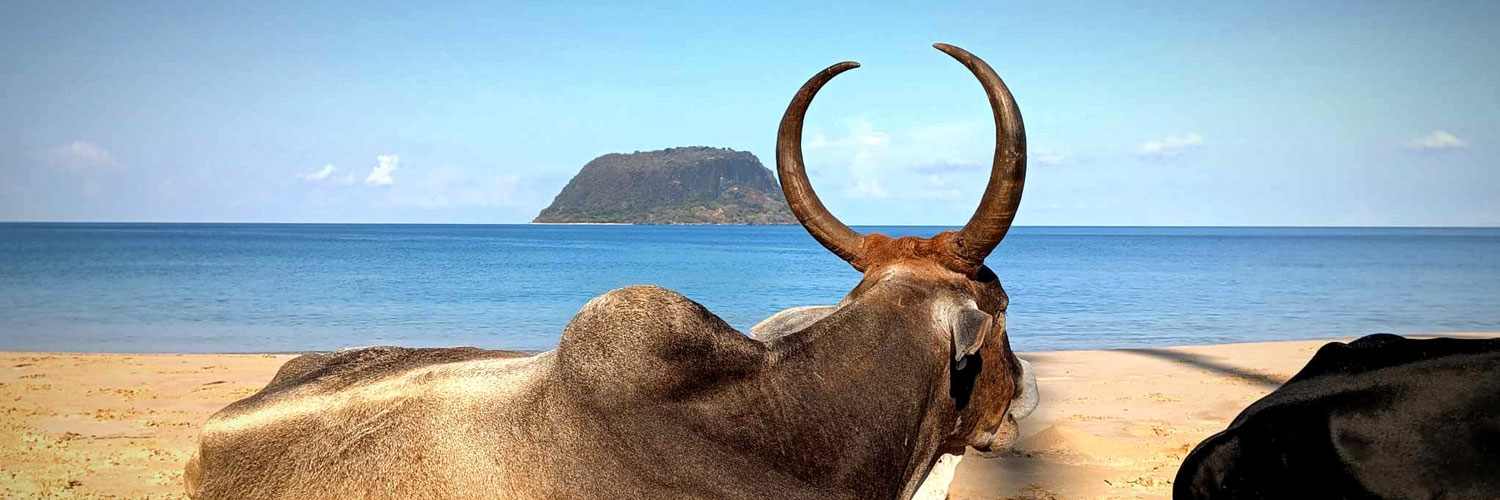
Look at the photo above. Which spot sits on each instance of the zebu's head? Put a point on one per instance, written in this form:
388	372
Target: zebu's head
965	305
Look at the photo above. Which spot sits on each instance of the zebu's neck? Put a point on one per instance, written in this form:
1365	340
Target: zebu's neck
871	374
842	409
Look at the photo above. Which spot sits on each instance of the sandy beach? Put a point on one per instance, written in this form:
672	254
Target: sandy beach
1112	424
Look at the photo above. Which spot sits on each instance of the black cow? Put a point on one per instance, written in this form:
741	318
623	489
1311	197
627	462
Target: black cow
1383	417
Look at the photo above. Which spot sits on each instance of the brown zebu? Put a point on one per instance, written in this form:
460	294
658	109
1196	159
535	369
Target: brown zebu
649	395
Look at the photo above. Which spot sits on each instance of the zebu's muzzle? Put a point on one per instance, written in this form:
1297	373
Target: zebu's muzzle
1004	436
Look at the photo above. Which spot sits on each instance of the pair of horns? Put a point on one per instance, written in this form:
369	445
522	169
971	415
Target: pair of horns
990	221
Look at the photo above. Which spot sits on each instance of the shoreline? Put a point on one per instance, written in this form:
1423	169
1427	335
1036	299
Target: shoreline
657	224
529	352
1111	423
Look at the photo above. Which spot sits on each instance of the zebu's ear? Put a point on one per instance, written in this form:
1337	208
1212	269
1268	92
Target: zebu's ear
968	326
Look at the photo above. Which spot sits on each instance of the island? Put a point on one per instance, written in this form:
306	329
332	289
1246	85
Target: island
687	185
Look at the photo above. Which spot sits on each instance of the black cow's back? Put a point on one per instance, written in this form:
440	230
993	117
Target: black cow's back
1381	417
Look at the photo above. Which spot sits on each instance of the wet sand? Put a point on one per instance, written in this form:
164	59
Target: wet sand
1111	424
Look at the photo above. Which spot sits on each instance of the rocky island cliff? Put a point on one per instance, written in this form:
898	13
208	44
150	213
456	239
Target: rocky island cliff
689	185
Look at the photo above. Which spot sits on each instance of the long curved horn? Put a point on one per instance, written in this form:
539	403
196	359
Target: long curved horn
1007	173
824	227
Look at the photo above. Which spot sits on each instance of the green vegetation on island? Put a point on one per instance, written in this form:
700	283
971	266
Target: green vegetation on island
689	185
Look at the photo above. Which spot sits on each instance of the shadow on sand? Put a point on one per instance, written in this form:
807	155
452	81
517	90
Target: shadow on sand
1201	361
1023	475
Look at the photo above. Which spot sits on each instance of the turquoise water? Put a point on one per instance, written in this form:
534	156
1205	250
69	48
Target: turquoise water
275	287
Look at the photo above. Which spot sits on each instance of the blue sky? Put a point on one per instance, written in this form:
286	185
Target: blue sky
1194	113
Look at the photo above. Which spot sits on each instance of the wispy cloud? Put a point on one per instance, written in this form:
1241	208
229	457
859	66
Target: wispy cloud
927	166
79	154
936	187
1171	146
907	164
946	168
1437	141
450	187
381	174
863	151
1050	157
866	189
321	174
326	175
861	133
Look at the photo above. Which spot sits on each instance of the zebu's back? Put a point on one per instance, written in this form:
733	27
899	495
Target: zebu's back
377	422
396	423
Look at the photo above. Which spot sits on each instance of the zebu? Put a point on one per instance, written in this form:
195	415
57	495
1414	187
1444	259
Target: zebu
649	395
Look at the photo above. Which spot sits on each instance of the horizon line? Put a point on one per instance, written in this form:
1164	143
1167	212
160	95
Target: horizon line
607	224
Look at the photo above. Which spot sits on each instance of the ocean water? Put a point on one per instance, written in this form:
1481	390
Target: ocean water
283	287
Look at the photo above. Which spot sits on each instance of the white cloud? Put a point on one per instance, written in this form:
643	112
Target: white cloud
1051	157
936	186
79	154
862	133
1436	141
450	187
328	175
863	151
381	174
321	174
1170	146
969	143
818	141
88	165
947	168
866	189
909	164
867	149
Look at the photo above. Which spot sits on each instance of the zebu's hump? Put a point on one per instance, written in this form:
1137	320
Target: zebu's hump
642	340
344	367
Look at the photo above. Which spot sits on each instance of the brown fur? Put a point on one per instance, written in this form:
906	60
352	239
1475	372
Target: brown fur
648	395
880	249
